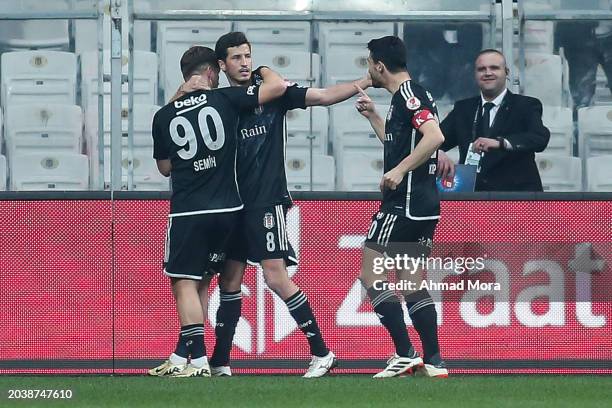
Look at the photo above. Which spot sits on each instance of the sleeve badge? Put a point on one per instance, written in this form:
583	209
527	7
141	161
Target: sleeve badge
413	103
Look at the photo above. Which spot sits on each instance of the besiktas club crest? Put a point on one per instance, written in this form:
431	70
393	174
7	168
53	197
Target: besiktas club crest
268	220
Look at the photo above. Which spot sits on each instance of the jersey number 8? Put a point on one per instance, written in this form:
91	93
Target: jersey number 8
189	141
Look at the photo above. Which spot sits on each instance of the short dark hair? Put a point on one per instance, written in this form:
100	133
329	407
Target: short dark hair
233	39
389	50
197	58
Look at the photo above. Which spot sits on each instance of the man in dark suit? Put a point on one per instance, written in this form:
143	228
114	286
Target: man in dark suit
498	131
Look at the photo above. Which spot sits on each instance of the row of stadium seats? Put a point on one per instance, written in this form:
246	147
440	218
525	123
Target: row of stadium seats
342	127
339	130
170	38
359	171
63	134
51	76
341	56
562	173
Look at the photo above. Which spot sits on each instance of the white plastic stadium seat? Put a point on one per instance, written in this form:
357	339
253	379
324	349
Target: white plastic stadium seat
561	125
86	31
559	173
352	131
298	172
43	128
34	34
333	36
291	35
354	64
301	67
539	36
174	38
344	51
595	129
599	173
544	78
38	76
300	127
360	171
142	142
2	173
49	171
145	78
355	140
146	175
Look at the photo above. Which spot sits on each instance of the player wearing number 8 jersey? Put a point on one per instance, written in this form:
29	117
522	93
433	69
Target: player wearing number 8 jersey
194	142
262	236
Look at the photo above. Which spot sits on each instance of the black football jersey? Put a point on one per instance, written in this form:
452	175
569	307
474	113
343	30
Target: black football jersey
417	195
261	149
198	134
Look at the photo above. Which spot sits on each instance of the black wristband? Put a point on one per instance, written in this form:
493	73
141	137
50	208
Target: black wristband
502	143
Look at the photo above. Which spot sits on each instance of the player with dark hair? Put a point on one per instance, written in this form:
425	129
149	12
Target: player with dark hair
262	235
410	209
194	142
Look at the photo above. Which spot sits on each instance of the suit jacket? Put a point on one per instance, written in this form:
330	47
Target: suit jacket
518	120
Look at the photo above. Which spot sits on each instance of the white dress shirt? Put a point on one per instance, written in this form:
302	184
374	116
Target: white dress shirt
497	102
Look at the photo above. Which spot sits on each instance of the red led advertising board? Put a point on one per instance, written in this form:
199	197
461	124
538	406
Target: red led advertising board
82	289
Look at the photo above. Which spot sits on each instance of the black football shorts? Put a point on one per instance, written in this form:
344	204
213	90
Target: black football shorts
394	234
261	234
196	243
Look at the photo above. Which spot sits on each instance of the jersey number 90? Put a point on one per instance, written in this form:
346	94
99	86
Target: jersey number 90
189	142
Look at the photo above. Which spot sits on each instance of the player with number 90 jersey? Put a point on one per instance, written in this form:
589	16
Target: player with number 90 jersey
197	132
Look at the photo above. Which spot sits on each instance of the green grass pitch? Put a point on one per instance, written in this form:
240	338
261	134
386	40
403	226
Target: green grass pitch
336	391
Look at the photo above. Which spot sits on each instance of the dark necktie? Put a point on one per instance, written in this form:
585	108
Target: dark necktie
486	119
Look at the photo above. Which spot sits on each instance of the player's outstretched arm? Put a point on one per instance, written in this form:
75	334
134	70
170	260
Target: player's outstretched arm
367	108
336	93
273	85
432	139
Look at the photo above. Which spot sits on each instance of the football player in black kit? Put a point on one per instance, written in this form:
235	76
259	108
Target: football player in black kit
194	142
262	236
410	209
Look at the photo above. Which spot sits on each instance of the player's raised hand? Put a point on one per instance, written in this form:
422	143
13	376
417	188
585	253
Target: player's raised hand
446	167
364	104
